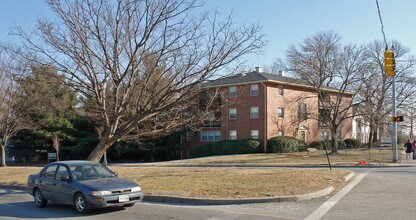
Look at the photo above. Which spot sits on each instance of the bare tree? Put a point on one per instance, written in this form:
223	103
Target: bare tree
12	112
333	70
102	46
292	118
376	89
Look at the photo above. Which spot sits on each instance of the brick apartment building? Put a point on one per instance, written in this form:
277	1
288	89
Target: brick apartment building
260	105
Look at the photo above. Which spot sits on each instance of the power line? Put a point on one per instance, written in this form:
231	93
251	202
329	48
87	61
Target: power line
382	25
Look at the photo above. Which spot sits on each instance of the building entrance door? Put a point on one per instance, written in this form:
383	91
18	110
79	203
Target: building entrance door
303	135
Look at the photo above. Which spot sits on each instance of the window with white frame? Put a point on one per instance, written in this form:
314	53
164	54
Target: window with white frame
213	135
324	135
232	135
189	135
254	90
302	113
280	133
280	112
232	113
339	134
254	112
254	134
280	90
232	91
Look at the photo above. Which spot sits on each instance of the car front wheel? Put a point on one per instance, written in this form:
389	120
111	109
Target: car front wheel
81	204
38	198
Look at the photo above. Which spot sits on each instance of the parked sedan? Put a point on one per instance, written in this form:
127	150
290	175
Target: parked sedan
85	184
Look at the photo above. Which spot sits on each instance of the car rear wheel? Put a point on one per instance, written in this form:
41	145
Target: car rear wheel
81	204
38	199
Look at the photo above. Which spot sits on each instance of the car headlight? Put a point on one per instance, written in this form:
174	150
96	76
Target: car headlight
100	193
136	189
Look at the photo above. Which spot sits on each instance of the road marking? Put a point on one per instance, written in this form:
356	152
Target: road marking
324	208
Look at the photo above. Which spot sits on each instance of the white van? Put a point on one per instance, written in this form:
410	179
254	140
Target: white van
385	142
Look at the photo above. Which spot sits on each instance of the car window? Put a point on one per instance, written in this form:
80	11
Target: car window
90	171
49	172
62	173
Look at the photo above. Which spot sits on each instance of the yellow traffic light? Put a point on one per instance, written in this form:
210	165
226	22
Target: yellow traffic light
389	62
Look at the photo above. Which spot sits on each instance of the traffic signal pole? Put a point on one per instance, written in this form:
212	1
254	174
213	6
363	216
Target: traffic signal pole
389	68
394	125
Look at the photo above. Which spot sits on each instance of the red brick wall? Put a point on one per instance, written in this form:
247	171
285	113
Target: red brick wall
289	124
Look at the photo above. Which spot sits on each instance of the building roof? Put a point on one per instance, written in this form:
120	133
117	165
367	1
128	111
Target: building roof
254	76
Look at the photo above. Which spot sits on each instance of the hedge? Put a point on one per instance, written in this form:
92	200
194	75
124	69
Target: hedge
226	147
285	144
320	145
352	143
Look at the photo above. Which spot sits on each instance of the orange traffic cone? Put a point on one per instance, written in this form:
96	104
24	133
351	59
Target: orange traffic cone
362	162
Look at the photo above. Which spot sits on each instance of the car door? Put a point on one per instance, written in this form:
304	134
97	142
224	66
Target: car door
62	185
46	180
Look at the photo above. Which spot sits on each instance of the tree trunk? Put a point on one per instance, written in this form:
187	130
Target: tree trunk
3	155
375	134
55	145
99	150
370	137
334	148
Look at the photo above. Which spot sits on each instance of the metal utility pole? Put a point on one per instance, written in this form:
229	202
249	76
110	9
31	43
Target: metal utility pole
394	129
389	68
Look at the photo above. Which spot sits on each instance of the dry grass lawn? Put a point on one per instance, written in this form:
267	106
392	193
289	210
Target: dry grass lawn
319	157
212	182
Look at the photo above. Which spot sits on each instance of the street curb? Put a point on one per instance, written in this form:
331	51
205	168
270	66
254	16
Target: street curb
16	187
203	201
349	176
287	165
198	201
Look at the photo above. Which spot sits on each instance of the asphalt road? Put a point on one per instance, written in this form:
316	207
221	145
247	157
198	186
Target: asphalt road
375	193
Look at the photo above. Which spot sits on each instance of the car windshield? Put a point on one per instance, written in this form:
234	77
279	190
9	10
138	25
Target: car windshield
90	171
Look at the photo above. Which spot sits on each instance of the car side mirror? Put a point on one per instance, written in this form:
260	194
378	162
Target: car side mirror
115	174
65	178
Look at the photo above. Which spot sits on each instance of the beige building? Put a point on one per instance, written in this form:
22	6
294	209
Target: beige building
260	106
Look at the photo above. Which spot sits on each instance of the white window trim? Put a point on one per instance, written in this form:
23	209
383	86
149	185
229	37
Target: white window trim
280	88
229	134
252	136
322	132
232	94
283	113
251	112
252	91
229	113
189	135
213	131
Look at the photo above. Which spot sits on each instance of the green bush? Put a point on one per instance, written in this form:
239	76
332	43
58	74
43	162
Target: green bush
315	144
352	143
320	145
341	144
284	144
226	147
